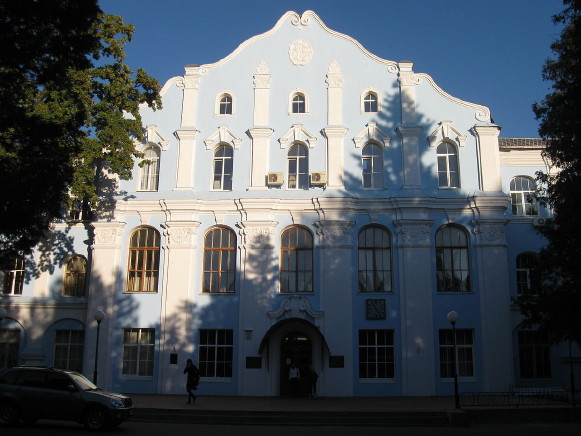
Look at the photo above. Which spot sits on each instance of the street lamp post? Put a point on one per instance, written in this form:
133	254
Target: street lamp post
453	318
98	316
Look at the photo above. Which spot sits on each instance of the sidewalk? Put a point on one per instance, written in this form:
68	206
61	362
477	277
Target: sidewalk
323	404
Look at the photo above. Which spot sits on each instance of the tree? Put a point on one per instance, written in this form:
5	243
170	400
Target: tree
556	309
69	108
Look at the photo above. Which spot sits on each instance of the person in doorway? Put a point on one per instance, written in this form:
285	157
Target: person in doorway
312	379
294	376
193	378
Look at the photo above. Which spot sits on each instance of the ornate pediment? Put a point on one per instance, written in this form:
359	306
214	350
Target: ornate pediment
446	132
295	307
297	133
372	133
222	135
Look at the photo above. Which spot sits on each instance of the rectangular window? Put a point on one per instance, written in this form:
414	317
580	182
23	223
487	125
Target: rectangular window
465	353
216	353
9	347
68	349
534	355
376	354
138	346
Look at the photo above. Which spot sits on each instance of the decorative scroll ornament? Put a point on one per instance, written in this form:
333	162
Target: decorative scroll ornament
107	235
491	233
334	76
335	232
414	234
300	52
179	235
258	236
262	76
301	20
409	79
295	307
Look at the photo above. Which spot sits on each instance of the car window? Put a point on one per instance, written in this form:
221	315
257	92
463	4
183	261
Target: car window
33	379
58	381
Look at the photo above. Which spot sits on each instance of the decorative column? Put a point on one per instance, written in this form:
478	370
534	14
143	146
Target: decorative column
410	155
257	288
261	95
186	158
335	156
407	83
496	351
191	83
487	139
103	287
415	258
336	272
176	306
259	167
334	95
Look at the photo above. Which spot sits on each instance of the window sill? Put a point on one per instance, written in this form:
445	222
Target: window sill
367	381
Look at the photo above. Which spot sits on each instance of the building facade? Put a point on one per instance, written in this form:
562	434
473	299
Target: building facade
299	201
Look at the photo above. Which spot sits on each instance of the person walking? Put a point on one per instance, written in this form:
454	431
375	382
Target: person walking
193	378
294	375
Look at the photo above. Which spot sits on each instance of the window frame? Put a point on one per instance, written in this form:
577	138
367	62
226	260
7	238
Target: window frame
528	277
465	354
448	157
218	112
374	159
218	254
367	103
226	163
301	253
12	268
10	345
371	351
518	197
66	345
447	254
149	170
534	355
145	352
299	104
300	176
150	262
72	279
369	254
216	353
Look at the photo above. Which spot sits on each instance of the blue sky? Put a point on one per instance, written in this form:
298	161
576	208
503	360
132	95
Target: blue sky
487	52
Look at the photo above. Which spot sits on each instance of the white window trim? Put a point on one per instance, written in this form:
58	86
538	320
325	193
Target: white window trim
217	104
453	144
212	169
290	102
362	100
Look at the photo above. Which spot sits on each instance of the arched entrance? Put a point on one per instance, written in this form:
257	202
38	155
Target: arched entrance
295	348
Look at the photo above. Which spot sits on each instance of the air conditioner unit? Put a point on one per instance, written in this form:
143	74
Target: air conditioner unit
274	179
318	178
537	222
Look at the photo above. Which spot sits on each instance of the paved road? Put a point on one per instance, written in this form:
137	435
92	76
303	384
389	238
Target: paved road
47	428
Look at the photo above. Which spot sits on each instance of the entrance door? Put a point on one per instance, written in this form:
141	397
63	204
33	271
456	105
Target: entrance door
295	348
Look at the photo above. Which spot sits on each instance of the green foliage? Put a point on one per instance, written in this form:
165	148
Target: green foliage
556	309
69	108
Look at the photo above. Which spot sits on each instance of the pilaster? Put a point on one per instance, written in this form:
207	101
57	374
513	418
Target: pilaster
260	141
186	158
335	155
410	155
487	140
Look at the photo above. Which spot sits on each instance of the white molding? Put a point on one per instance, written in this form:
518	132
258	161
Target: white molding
224	135
297	133
443	134
372	133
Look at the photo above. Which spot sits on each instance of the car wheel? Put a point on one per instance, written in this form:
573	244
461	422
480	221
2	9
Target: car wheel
9	414
96	419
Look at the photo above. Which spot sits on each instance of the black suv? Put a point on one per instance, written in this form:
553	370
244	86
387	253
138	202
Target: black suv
28	394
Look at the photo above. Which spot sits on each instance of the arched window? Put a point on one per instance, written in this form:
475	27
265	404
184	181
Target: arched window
143	269
374	259
522	195
528	278
452	259
11	274
75	276
219	261
225	105
296	265
298	167
298	103
223	165
372	163
448	171
370	102
149	173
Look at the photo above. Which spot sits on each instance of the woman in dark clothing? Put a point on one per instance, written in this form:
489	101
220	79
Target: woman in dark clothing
193	379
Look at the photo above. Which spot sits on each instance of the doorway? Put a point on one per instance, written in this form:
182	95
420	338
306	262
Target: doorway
295	348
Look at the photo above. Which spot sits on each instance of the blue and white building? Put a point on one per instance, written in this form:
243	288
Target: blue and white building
300	201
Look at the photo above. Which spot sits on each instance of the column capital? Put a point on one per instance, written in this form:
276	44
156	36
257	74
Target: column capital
490	232
257	234
414	233
181	234
335	233
409	131
107	234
